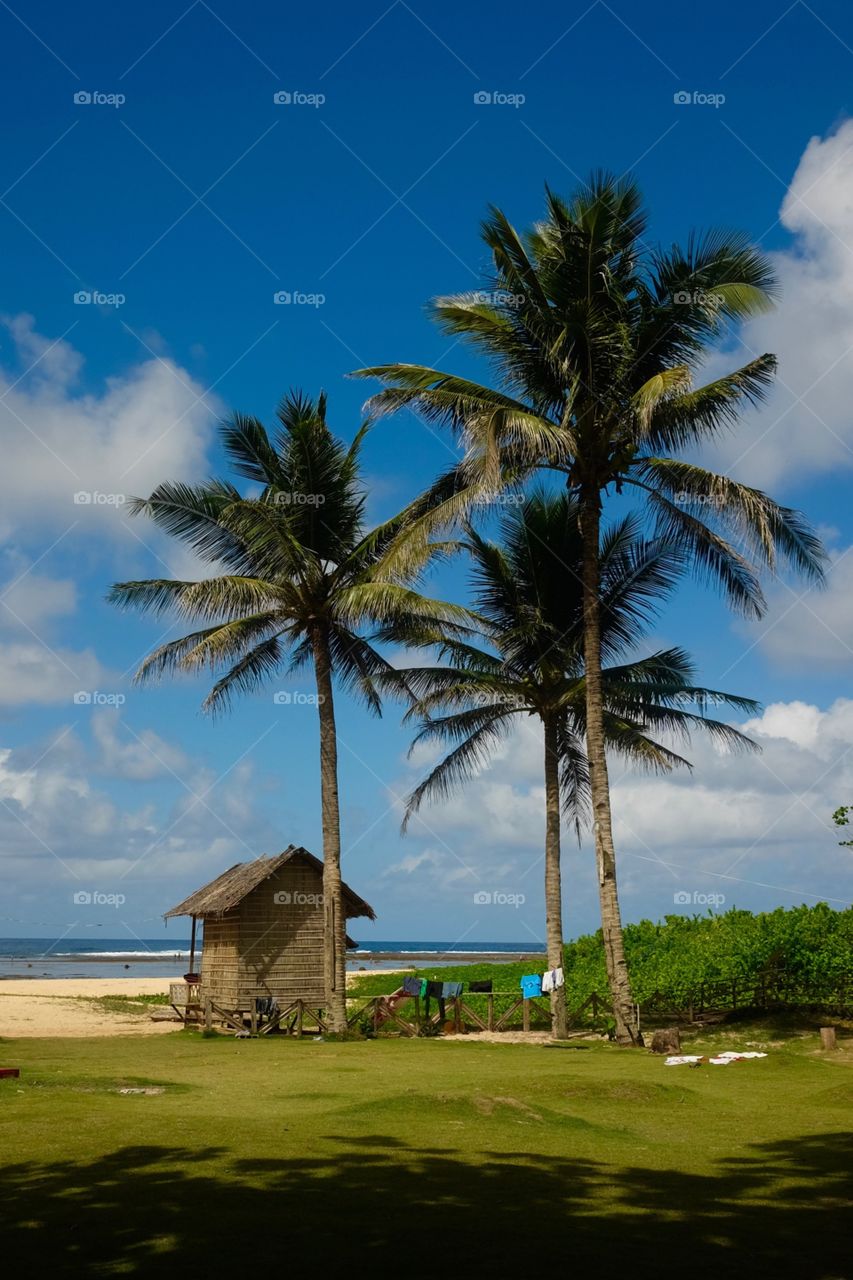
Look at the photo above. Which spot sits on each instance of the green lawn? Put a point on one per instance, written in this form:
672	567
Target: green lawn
423	1158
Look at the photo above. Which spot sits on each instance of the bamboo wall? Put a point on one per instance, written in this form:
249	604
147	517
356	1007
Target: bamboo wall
270	945
219	966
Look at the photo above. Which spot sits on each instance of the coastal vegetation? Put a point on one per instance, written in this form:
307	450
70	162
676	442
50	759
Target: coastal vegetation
799	953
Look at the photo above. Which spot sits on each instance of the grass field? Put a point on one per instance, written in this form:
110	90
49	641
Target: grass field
423	1157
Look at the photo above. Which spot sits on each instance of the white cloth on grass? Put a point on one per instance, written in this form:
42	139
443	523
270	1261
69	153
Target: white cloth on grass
681	1060
723	1059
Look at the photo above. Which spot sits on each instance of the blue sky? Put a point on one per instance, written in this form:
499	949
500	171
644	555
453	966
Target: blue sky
182	192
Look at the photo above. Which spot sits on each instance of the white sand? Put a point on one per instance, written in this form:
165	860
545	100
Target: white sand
47	1007
84	986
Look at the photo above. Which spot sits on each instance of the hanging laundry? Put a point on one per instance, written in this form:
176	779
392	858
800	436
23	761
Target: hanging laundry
531	985
412	986
552	980
435	990
423	990
482	988
451	990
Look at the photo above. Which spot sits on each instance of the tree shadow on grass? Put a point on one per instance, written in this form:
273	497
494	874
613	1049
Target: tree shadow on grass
375	1205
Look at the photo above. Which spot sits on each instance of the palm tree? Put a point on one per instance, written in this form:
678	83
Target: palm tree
301	582
594	340
530	599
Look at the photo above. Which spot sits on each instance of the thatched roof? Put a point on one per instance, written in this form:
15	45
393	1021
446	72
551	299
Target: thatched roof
228	890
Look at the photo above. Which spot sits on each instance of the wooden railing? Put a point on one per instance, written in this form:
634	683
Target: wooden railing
508	1010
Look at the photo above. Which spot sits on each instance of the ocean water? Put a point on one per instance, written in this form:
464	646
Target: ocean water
91	958
159	957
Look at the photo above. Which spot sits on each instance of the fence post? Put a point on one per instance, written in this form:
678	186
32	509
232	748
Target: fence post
299	1012
208	1014
525	1015
490	1012
827	1038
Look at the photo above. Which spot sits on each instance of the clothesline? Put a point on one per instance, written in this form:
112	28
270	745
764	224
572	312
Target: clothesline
532	985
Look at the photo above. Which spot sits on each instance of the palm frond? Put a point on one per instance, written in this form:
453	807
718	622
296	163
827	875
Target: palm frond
246	675
460	764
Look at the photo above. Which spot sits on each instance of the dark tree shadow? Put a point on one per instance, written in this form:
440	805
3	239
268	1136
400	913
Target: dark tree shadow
374	1206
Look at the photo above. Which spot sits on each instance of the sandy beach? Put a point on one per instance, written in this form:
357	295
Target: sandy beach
61	1007
54	1007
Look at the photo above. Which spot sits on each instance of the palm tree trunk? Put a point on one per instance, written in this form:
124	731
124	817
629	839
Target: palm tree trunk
553	892
334	919
605	853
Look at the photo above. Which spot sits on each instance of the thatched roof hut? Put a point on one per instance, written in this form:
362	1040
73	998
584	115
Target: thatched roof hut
263	929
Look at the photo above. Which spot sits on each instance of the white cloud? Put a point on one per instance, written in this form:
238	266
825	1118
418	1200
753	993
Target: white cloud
32	599
796	722
810	625
61	831
33	672
755	827
806	427
139	756
146	425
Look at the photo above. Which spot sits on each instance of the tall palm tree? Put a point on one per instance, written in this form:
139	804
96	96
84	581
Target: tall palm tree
529	598
301	582
594	340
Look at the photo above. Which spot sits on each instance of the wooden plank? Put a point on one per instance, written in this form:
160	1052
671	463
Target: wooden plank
408	1027
507	1014
474	1017
230	1018
353	1017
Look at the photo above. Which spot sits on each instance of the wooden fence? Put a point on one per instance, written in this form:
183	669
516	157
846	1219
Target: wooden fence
508	1010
